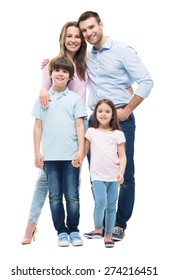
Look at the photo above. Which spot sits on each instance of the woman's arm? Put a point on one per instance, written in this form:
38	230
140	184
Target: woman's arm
46	85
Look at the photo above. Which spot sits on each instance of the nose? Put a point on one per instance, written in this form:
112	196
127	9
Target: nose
88	32
60	72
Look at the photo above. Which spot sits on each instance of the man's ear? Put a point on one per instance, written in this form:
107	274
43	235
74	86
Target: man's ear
101	24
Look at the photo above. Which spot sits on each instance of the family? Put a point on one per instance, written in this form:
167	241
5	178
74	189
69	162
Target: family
64	135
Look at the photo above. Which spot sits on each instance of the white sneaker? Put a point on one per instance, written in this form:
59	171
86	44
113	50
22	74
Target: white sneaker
75	239
63	239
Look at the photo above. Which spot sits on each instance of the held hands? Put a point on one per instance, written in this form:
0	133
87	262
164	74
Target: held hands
77	161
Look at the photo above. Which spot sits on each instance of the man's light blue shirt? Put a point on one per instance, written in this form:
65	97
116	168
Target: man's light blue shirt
59	136
112	68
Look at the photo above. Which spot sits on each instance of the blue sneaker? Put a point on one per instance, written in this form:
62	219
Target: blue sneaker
63	240
75	239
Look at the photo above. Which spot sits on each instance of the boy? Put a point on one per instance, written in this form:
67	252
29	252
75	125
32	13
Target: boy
61	129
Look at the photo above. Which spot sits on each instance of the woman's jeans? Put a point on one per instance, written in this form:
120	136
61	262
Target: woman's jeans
127	189
63	181
105	197
39	197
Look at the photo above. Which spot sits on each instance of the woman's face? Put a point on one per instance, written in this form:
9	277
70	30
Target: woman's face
73	39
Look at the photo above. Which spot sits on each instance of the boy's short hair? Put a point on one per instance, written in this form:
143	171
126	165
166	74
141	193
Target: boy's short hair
61	62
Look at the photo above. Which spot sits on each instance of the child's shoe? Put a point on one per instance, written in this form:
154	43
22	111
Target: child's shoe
93	235
63	240
109	244
75	239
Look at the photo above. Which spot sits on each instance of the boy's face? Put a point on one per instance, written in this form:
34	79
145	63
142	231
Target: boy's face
60	78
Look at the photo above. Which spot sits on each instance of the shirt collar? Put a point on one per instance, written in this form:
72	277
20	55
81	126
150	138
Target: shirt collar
52	92
106	45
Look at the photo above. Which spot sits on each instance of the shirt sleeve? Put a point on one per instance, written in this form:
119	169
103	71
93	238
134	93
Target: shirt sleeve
37	110
80	110
120	137
137	71
87	134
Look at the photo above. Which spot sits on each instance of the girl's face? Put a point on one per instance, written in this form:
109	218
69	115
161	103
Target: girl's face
73	39
104	115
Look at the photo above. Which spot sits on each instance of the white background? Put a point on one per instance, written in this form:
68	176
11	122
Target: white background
29	32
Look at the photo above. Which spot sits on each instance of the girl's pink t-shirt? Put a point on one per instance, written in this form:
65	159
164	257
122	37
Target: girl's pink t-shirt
104	165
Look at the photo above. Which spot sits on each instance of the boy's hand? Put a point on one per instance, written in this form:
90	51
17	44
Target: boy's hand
39	162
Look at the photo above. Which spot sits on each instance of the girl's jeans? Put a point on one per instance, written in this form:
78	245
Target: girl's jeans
105	197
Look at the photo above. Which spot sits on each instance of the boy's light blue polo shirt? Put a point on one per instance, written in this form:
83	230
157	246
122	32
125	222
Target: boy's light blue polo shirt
59	137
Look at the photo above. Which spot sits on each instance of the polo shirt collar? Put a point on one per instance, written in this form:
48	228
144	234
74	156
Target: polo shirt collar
52	92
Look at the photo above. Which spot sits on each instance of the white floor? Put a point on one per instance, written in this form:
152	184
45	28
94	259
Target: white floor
144	245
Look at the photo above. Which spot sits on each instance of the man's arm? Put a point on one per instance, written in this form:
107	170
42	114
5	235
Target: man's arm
124	113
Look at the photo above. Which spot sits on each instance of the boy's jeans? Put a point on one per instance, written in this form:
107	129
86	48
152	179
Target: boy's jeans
63	180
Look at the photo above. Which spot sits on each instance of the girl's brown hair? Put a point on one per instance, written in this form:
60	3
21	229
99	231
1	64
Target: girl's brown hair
80	57
114	124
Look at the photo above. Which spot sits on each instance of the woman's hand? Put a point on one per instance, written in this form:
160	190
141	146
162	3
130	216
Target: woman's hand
44	63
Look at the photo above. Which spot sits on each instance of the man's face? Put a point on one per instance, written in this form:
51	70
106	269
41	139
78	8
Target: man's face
91	30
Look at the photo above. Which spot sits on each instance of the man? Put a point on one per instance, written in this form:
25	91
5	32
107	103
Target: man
112	67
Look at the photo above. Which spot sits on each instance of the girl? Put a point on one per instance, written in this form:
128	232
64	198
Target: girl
108	160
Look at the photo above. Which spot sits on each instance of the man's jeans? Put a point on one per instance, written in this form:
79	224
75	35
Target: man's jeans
63	180
127	189
105	196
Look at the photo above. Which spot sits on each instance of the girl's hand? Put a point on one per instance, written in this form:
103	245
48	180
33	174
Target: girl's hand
120	179
75	163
